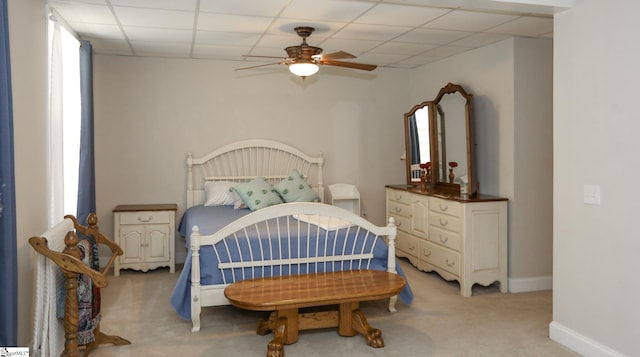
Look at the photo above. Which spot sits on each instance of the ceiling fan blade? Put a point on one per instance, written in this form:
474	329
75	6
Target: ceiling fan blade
337	55
260	65
280	57
363	66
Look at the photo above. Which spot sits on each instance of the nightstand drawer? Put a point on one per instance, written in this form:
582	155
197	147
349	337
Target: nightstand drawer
145	217
402	223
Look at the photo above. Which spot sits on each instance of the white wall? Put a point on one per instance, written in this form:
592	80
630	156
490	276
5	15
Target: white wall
29	77
512	86
596	289
150	112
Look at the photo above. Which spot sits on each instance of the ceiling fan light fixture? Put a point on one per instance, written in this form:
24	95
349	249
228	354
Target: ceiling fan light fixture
303	69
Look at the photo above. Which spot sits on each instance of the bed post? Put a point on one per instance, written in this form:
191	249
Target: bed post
320	177
391	260
196	298
190	197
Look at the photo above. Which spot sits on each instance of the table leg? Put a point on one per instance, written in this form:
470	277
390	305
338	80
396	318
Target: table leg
353	321
275	348
284	324
373	335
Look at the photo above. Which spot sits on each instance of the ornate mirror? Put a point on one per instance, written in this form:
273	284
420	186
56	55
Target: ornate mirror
441	132
454	156
417	140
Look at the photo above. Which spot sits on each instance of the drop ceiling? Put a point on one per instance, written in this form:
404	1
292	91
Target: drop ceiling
389	33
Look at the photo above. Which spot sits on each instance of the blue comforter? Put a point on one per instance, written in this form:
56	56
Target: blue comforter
258	244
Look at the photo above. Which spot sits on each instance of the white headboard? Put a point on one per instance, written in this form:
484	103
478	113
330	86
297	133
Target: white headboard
247	159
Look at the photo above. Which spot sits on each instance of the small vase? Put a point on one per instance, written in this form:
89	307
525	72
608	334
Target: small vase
451	175
423	181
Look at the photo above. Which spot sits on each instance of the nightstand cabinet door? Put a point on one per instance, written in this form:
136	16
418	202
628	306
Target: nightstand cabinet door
146	233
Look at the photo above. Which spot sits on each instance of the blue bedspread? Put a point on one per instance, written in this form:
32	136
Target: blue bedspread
311	242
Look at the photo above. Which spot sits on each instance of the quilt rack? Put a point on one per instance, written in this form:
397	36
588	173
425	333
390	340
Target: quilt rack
71	264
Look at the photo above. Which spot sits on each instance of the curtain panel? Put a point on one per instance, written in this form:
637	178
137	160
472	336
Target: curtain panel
8	235
86	179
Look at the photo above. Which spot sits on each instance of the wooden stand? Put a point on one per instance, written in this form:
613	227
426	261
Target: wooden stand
71	265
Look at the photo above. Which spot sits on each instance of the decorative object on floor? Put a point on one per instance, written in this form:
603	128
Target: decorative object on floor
79	262
304	60
285	295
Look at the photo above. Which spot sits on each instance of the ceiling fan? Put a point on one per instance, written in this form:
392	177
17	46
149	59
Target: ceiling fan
304	60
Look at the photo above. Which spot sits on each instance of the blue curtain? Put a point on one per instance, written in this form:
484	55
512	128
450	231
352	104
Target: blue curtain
86	182
8	236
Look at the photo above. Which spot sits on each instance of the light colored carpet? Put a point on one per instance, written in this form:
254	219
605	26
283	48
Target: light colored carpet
439	322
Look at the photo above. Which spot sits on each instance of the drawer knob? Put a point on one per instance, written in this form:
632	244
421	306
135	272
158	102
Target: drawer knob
444	239
444	224
143	220
412	246
427	252
450	262
398	209
444	208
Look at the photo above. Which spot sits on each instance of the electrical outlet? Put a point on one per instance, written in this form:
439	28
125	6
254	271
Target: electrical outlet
364	214
592	194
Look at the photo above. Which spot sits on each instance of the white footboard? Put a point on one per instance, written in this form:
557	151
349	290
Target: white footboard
289	238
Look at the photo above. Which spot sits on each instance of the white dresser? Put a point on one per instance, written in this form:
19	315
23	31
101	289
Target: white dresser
460	239
146	234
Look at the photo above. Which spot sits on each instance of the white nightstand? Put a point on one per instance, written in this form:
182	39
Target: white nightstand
146	233
344	196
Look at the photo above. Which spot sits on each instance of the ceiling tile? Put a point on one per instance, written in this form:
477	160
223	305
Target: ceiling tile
437	37
135	33
479	39
446	51
96	14
161	49
243	7
388	14
326	10
402	48
189	5
469	21
226	38
155	18
371	32
86	30
232	23
526	26
352	46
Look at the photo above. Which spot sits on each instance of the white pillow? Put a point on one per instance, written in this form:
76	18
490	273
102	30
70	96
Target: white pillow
220	193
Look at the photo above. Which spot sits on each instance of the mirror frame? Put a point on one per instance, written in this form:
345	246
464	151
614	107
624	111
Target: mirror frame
441	182
407	138
438	183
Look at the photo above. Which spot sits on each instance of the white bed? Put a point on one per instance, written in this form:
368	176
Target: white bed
286	238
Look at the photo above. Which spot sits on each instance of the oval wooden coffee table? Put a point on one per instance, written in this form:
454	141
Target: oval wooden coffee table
285	295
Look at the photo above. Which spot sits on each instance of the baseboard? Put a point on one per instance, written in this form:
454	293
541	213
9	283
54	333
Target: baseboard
530	284
181	257
579	343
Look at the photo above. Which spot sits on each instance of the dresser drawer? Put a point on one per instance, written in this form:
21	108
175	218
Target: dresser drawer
402	223
145	217
451	208
408	244
445	222
440	257
398	196
446	238
399	209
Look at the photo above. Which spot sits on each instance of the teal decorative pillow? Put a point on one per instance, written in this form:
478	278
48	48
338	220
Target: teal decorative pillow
295	188
257	193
